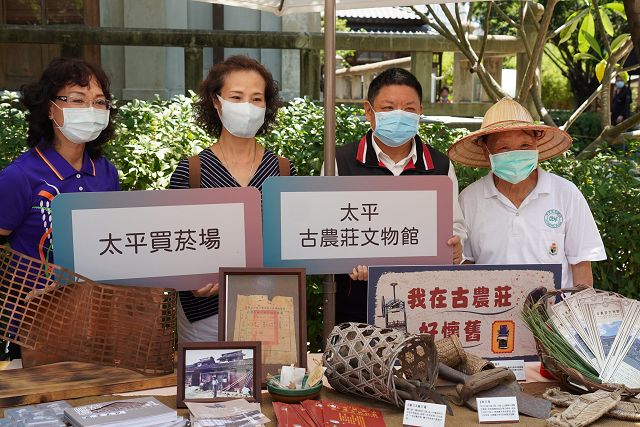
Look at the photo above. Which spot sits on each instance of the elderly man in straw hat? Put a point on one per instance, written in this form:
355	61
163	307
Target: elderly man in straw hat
519	213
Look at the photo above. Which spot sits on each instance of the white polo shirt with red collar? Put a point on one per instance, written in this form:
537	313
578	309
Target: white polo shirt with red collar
553	225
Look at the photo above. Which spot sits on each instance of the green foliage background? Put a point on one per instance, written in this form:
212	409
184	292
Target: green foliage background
556	90
153	136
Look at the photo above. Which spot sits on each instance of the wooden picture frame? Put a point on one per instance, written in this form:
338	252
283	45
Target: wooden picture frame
241	287
194	365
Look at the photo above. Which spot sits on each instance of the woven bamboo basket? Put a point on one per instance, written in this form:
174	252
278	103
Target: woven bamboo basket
383	364
56	315
570	378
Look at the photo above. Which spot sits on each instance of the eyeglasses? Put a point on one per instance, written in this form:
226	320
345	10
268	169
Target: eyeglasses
79	102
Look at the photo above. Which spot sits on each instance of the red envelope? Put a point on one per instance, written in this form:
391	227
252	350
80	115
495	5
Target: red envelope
345	415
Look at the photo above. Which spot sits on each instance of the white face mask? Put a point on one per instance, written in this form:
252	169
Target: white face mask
241	119
82	125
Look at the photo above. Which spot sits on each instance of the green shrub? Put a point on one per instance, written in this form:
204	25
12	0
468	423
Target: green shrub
609	184
153	136
13	128
556	90
299	135
441	138
585	129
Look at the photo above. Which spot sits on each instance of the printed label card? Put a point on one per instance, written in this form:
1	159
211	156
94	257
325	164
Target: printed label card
498	410
516	366
423	414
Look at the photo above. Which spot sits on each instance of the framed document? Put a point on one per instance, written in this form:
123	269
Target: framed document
266	305
218	371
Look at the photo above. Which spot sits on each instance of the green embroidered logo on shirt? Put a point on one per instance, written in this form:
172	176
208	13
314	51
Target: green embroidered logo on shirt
553	218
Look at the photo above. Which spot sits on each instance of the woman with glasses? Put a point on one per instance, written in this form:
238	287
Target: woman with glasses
69	120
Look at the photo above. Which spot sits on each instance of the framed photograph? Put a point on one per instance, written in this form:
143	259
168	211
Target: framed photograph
266	305
218	371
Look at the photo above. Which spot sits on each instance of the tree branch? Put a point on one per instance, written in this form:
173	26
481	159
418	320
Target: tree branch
537	52
537	101
606	80
600	25
581	109
440	30
567	58
523	34
452	21
443	27
491	87
463	30
609	134
558	30
462	42
536	24
556	61
489	84
504	16
485	34
630	68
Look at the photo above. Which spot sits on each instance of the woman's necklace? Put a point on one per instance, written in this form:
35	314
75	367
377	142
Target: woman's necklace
251	170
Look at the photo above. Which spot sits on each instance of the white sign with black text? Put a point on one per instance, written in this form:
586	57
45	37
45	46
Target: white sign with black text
157	241
516	366
366	224
498	409
330	224
171	238
423	414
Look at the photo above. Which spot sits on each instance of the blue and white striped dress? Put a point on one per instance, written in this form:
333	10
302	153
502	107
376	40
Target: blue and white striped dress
215	175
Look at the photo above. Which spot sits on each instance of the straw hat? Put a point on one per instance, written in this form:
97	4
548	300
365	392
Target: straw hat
508	115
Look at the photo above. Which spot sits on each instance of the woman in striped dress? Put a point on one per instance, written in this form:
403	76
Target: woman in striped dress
238	100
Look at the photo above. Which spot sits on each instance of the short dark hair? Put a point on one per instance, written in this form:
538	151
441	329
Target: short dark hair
206	113
36	97
391	77
444	88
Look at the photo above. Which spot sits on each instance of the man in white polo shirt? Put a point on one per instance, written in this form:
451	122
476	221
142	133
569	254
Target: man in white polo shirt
519	213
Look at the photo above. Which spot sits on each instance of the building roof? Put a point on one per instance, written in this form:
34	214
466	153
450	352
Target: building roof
386	13
393	20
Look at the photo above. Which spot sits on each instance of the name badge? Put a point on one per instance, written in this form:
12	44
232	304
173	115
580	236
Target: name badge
498	410
423	414
516	366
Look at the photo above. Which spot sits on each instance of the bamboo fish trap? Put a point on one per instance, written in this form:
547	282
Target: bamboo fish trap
383	364
57	315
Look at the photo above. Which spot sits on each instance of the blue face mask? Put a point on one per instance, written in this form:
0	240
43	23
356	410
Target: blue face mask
396	127
514	166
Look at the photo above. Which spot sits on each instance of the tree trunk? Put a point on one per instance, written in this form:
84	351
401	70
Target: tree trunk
632	9
609	135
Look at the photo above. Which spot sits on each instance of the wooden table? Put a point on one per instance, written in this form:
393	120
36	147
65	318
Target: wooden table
392	416
463	416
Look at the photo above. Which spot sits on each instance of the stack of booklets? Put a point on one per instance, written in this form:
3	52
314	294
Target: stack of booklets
49	414
231	413
139	412
325	413
605	332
